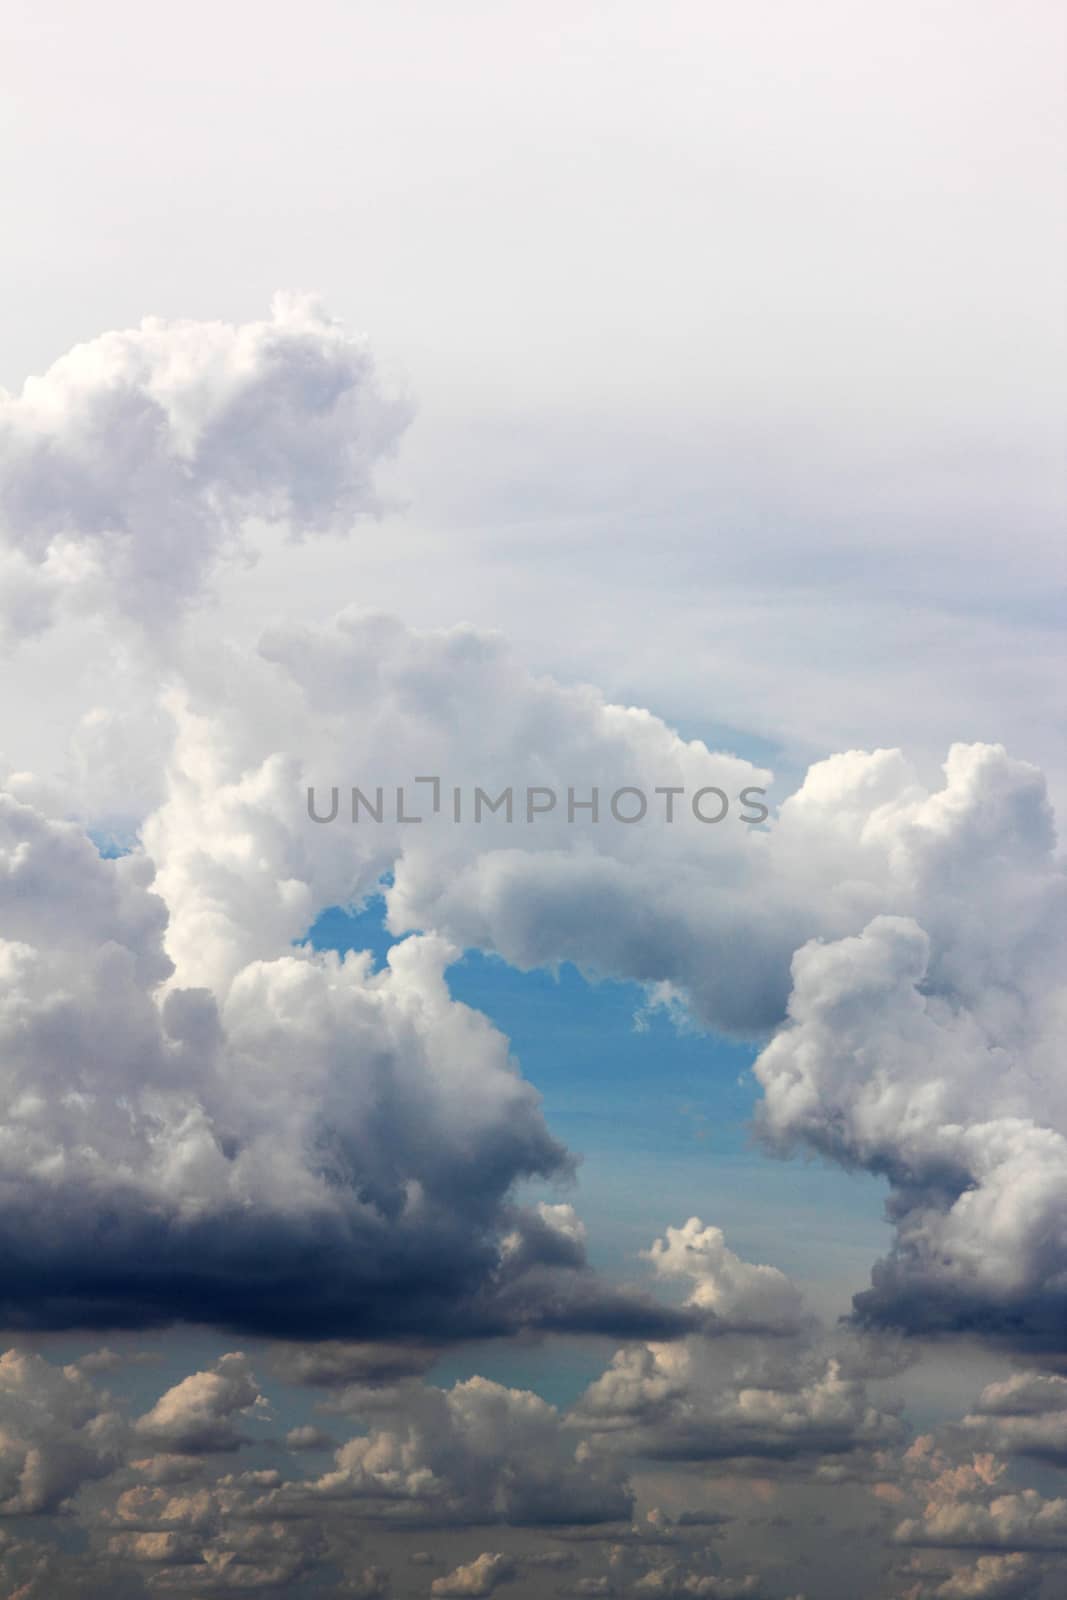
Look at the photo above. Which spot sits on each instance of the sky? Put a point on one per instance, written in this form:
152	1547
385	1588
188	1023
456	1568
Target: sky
531	914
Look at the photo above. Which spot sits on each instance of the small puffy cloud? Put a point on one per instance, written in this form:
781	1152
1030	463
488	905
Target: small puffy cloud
204	1412
741	1295
478	1578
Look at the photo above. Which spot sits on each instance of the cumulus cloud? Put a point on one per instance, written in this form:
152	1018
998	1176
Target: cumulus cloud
921	1034
206	1120
675	1583
334	1148
907	943
479	1577
137	459
910	940
695	1401
1023	1521
245	870
740	1294
210	1538
1024	1415
479	1452
204	1412
1012	1577
56	1432
923	1048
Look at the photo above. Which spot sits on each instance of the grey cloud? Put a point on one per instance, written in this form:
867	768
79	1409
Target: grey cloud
692	1402
56	1432
332	1150
1025	1415
204	1412
1017	1522
477	1453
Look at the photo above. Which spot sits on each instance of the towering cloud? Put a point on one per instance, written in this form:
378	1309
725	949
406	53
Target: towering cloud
924	1048
330	1144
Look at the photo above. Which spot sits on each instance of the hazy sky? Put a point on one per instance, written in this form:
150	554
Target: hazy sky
766	300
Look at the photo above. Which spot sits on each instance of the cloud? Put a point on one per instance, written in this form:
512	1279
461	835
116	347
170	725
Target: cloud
885	1065
674	1583
322	1148
300	1159
479	1577
56	1432
920	932
1023	1521
906	942
207	1121
138	458
333	1363
203	1412
1014	1577
479	1455
694	1401
476	1453
1025	1415
210	1539
739	1294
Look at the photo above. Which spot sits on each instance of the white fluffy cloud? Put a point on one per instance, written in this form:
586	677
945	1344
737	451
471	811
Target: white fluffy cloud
925	1051
739	1293
138	457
